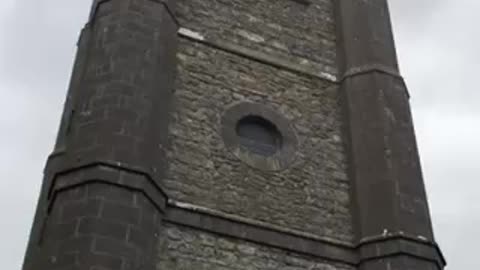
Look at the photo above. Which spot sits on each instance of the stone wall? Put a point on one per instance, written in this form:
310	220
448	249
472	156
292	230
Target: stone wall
312	194
301	33
185	249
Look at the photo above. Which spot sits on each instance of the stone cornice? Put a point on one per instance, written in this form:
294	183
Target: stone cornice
210	220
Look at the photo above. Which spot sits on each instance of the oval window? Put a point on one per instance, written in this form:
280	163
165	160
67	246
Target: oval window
258	135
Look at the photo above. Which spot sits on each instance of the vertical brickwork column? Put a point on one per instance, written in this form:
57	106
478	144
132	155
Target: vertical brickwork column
102	202
100	226
126	85
393	225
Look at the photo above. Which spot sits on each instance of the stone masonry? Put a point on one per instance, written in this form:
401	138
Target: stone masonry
160	160
315	189
182	248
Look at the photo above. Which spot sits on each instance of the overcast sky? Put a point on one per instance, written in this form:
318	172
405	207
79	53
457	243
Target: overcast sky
437	42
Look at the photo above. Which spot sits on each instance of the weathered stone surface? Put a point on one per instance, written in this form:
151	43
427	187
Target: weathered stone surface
185	249
301	33
147	171
312	195
121	87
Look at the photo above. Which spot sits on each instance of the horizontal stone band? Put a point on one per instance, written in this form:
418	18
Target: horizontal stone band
256	55
136	179
108	173
400	244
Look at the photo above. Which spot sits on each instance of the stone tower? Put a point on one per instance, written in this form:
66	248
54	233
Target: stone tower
235	134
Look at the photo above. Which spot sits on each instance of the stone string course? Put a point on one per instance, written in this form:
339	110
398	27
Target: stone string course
182	248
300	33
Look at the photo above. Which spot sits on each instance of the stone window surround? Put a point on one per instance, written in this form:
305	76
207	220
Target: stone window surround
278	161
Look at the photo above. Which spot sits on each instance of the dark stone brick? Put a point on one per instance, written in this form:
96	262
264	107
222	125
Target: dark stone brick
89	260
62	230
77	193
121	213
115	247
77	209
63	261
138	237
102	227
76	244
111	193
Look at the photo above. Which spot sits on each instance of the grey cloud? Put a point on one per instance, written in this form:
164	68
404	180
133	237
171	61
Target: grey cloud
437	43
37	45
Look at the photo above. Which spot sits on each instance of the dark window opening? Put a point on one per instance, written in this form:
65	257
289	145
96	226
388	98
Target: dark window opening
259	135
